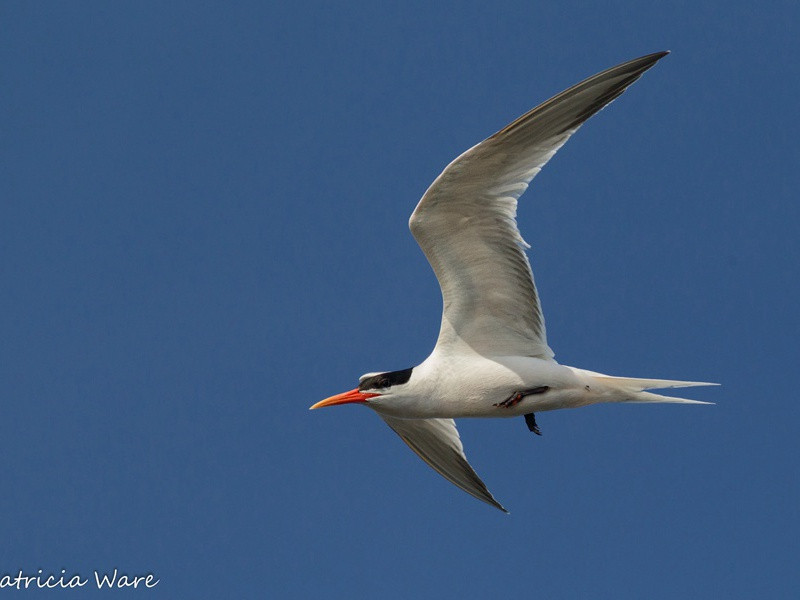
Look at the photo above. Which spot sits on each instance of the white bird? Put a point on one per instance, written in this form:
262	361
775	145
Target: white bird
492	358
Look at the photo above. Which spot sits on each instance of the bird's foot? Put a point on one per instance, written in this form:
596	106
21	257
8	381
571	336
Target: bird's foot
530	421
517	397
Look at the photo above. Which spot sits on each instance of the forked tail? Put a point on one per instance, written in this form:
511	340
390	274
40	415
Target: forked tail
632	389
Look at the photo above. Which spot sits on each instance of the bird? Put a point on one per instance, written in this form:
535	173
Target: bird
492	357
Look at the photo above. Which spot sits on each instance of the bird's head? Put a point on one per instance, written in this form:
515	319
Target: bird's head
370	385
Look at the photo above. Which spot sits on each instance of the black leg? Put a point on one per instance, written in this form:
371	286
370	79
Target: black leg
530	421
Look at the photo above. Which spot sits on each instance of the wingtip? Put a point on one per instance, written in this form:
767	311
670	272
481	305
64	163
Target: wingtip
657	55
644	63
648	60
499	506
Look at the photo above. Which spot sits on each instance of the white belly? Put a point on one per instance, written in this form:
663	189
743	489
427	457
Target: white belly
471	386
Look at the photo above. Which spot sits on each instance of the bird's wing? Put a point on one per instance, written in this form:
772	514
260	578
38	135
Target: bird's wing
466	225
436	442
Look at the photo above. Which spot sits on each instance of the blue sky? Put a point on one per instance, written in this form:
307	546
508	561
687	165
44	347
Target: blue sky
203	231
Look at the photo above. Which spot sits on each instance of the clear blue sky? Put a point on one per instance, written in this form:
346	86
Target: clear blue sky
203	213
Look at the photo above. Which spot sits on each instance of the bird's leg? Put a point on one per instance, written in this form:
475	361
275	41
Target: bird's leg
530	421
517	397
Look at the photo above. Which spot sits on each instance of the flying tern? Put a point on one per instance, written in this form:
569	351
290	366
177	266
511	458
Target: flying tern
492	358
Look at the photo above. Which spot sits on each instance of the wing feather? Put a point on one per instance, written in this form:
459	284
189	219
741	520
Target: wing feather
466	224
436	441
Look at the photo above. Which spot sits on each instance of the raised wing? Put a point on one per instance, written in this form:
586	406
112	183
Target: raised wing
466	225
436	442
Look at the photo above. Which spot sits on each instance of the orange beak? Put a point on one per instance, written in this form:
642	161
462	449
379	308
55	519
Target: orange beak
346	398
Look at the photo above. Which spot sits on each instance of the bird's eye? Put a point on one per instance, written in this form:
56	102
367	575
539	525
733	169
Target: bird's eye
383	383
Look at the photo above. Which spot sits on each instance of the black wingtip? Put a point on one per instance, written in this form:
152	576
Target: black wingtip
651	59
500	506
655	55
648	60
563	115
494	503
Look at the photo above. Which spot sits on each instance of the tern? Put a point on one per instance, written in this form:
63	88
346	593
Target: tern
492	358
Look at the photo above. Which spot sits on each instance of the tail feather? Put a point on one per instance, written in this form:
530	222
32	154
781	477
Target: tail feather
632	388
648	384
649	397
